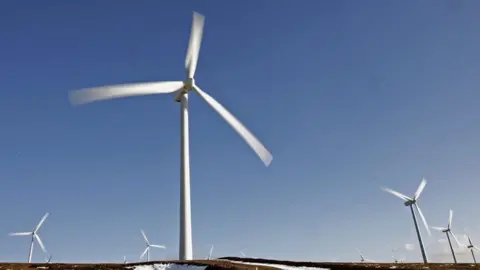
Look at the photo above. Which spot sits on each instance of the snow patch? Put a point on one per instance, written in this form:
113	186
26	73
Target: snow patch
284	267
171	266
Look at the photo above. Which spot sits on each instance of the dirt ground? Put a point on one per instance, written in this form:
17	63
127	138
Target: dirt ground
211	265
237	265
351	265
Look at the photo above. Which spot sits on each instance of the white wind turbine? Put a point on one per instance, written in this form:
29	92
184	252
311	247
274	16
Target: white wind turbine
395	258
362	259
181	89
49	259
448	230
472	247
210	253
147	249
410	202
34	235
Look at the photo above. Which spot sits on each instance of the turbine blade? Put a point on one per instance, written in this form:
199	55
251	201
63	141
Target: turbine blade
476	248
251	140
450	217
398	194
145	237
423	219
20	233
456	239
41	222
439	228
40	243
419	191
88	95
196	34
145	252
158	246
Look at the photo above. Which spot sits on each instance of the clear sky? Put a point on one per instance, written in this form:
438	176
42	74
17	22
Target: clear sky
349	96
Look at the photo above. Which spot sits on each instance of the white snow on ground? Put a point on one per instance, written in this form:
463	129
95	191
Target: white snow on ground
171	266
283	267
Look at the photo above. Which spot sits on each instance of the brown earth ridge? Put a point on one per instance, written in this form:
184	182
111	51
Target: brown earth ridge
235	263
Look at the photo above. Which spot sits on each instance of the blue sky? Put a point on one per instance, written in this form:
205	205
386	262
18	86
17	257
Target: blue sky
349	96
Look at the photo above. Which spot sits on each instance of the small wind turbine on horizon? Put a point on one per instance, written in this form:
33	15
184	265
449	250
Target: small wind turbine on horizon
181	90
125	259
411	202
448	231
472	248
49	259
35	236
147	249
395	259
210	253
363	259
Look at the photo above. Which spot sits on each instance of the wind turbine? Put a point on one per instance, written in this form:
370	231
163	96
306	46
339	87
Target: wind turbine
395	259
125	260
362	259
34	236
448	230
147	249
472	247
410	202
181	90
210	253
49	259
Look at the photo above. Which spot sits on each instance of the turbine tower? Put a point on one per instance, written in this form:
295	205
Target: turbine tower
34	236
147	249
181	90
448	231
472	247
411	202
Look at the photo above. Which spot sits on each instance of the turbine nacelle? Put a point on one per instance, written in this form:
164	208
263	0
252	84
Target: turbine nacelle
409	202
188	85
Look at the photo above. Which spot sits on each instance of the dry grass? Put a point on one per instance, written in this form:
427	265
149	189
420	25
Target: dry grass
211	265
236	264
349	265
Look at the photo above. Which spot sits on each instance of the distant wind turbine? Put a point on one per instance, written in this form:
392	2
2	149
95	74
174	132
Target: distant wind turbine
395	259
411	202
448	231
363	259
472	247
243	254
210	253
49	259
147	249
125	259
181	90
34	236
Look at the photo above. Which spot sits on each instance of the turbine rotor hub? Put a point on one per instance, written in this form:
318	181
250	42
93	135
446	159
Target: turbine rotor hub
188	84
187	87
408	203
